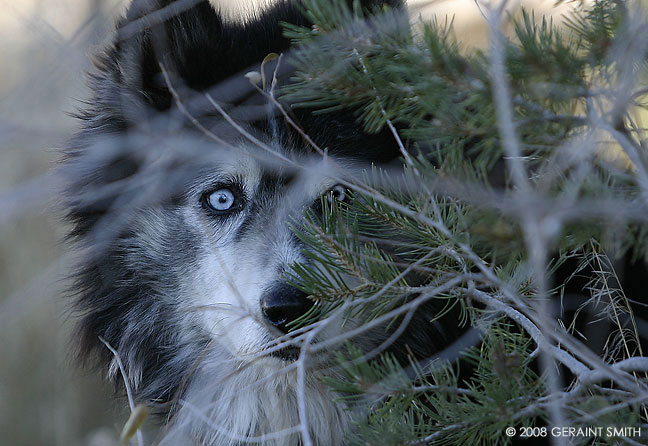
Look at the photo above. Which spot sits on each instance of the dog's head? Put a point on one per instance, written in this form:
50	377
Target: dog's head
186	182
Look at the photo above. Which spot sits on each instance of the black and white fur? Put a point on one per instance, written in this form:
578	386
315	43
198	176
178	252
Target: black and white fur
177	287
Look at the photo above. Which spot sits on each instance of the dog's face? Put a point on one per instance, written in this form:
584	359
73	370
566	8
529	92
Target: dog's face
242	215
214	260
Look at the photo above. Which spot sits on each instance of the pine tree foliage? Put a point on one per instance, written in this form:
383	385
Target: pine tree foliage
460	226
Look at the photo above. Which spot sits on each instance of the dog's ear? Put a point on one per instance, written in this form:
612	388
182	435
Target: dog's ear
191	42
194	44
186	38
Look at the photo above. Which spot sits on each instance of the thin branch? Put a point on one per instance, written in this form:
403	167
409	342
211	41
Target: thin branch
129	392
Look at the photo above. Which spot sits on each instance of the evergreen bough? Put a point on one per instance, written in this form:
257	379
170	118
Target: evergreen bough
517	159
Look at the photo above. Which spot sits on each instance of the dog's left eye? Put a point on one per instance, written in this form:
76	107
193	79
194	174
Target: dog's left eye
221	200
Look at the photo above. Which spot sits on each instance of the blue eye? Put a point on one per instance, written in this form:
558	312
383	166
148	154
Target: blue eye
221	199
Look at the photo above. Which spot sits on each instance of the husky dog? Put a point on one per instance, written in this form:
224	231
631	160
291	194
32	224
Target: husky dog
185	182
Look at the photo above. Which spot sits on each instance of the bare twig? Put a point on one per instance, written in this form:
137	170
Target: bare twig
129	392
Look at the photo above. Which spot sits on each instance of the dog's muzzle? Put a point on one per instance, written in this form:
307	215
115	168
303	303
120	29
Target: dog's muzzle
282	304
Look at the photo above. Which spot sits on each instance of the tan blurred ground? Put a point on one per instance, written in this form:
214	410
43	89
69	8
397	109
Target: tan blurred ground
44	48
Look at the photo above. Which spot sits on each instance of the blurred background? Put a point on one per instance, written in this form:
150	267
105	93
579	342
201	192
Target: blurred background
44	48
44	56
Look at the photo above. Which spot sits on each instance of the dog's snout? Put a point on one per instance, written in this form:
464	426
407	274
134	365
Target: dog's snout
283	304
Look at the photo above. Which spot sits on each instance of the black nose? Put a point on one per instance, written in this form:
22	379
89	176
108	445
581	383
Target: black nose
283	304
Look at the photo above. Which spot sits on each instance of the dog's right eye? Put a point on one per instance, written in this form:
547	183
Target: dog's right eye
221	200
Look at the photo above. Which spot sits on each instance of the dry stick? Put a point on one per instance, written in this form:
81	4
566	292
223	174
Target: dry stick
575	366
211	134
186	112
437	388
245	133
535	234
155	17
270	95
636	364
634	153
301	390
129	393
639	131
502	99
436	435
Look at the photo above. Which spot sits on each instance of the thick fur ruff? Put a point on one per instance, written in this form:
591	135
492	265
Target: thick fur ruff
175	286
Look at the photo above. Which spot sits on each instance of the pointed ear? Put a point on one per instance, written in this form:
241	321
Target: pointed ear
197	48
179	35
195	45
